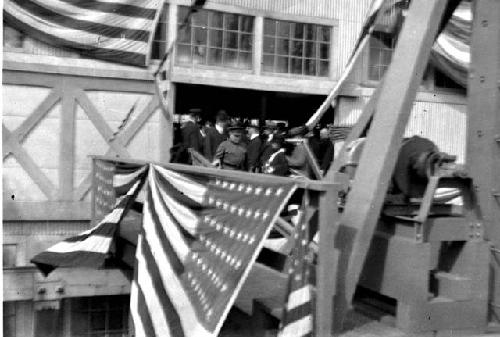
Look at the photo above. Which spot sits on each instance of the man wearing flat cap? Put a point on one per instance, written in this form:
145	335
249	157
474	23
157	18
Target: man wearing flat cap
231	154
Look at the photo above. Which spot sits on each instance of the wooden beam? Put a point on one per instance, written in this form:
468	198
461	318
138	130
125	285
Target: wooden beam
356	131
45	211
258	36
27	163
313	185
40	111
327	262
377	162
67	144
483	128
166	130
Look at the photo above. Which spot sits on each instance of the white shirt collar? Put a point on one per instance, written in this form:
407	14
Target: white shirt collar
255	135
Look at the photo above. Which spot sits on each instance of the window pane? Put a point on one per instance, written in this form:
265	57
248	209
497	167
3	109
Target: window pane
184	35
97	321
310	49
115	320
200	18
282	46
284	28
386	56
215	38
184	54
199	54
323	68
200	36
246	24
231	40
298	30
281	64
48	323
297	48
296	66
230	58
214	56
9	255
269	27
215	20
310	67
231	21
246	42
269	45
310	32
324	34
324	51
245	60
268	64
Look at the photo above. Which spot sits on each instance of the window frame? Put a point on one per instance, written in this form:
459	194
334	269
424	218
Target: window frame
291	38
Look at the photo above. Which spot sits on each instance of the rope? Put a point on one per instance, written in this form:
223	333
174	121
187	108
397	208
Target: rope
124	121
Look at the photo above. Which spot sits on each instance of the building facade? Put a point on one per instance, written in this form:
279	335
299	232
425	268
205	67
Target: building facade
276	59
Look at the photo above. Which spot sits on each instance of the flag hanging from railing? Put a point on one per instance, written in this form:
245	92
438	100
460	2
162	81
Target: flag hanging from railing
118	31
200	235
93	247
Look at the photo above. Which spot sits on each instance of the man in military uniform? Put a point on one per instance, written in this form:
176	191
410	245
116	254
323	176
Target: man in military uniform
231	154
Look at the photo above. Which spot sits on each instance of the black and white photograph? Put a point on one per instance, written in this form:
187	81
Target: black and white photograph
251	168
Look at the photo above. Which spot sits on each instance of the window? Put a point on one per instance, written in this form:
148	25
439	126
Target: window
381	49
159	46
9	319
99	316
9	255
216	39
296	48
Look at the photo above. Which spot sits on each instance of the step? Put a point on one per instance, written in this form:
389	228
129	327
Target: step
453	286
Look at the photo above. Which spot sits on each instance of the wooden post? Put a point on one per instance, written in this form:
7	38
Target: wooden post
483	129
67	146
327	263
258	44
377	162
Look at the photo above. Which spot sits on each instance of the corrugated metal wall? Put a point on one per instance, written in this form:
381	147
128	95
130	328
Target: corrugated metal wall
443	123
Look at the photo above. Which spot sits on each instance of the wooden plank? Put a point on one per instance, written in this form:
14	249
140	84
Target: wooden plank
356	131
67	144
36	116
483	127
167	125
258	38
27	163
365	200
44	210
313	185
34	77
98	121
327	263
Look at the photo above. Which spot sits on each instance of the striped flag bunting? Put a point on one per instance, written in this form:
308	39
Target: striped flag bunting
119	31
200	237
298	314
92	247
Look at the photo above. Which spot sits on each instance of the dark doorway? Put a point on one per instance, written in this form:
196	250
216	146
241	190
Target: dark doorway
252	104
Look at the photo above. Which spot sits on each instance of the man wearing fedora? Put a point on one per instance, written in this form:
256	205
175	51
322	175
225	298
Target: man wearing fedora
232	154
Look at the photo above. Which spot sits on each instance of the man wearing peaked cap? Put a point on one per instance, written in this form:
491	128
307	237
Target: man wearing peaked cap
231	154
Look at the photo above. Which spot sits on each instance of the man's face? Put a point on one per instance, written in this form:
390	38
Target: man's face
235	136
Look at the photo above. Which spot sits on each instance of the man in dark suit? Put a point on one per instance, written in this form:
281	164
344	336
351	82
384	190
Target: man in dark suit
254	147
191	134
215	135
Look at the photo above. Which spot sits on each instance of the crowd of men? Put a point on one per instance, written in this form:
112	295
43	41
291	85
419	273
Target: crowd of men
232	145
